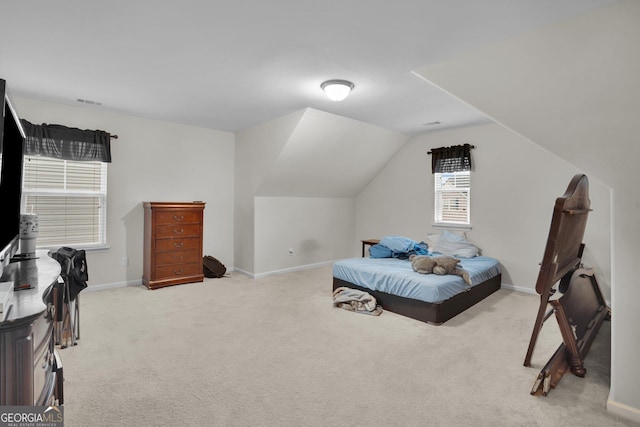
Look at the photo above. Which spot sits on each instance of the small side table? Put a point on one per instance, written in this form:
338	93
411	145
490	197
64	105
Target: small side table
369	242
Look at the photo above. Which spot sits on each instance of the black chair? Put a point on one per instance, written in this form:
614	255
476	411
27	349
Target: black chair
73	279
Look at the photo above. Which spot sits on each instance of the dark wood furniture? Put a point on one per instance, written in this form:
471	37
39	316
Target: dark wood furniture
369	242
30	367
563	251
567	290
433	313
172	243
580	312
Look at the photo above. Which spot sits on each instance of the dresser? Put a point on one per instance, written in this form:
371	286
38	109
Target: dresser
172	243
30	366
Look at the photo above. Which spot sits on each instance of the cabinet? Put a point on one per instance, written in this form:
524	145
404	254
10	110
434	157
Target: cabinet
172	243
30	368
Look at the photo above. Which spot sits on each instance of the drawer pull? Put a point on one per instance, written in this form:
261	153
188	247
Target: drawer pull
178	217
176	231
178	258
178	244
178	271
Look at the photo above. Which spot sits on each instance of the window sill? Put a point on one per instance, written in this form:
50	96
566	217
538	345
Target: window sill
79	247
443	226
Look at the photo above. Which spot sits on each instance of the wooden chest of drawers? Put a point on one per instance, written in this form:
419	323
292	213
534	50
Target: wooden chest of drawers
172	243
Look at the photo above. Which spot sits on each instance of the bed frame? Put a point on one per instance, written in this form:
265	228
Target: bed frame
433	313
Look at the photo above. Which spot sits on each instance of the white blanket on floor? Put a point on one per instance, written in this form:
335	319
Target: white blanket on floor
355	300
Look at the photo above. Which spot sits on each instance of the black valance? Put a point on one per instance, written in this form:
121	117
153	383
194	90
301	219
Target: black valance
62	142
456	158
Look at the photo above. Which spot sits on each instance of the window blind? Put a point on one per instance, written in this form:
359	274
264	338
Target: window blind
452	197
69	198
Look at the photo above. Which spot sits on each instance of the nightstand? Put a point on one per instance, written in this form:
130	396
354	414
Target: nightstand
369	242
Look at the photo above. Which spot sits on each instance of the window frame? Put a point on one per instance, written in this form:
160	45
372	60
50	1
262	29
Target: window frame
100	216
438	212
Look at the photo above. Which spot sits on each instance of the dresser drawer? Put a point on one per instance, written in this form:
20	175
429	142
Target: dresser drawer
176	216
177	257
166	245
178	230
42	358
178	270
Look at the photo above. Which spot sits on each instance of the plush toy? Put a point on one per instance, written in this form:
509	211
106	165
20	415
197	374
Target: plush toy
441	266
422	264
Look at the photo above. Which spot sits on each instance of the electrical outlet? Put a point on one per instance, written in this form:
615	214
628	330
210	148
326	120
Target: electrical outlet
124	262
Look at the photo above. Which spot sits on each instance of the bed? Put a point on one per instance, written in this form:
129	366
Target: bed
425	297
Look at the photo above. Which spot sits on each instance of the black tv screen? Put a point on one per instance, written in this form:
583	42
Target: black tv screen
11	151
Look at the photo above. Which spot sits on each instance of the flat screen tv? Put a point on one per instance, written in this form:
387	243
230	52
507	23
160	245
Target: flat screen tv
11	153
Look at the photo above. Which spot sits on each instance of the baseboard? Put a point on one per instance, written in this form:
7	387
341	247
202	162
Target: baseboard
285	270
113	285
241	271
531	291
518	288
625	411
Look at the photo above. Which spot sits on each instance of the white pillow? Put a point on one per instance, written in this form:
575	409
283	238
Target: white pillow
432	238
453	244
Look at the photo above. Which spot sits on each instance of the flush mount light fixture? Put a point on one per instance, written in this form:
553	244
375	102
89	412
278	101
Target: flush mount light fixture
337	90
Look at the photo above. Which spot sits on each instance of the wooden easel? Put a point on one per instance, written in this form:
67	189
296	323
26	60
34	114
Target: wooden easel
582	308
563	253
580	312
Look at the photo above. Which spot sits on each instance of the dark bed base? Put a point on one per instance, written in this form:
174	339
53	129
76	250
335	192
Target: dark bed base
434	313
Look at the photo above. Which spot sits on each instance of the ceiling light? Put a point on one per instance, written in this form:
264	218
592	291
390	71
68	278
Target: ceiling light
337	90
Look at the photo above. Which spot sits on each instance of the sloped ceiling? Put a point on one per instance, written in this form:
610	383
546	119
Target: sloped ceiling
571	87
329	156
230	65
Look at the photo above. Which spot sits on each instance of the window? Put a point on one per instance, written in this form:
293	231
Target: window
452	198
70	199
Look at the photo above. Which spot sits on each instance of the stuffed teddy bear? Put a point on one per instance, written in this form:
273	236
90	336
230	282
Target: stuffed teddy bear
441	266
422	264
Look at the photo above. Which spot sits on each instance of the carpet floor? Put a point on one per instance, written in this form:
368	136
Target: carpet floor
274	352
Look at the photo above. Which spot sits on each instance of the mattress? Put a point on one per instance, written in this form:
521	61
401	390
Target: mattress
395	276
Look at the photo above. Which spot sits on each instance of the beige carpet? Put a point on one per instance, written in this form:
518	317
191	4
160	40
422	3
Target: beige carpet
274	352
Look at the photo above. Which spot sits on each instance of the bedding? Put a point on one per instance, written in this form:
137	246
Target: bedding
455	245
397	247
394	276
387	275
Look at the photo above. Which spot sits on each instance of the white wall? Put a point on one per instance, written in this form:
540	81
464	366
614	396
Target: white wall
296	177
511	203
317	229
256	151
151	161
573	88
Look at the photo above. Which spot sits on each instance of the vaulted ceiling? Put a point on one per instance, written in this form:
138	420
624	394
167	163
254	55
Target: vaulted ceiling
232	65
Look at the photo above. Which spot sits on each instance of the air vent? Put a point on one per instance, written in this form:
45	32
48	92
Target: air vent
88	101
